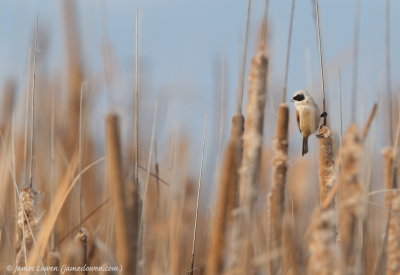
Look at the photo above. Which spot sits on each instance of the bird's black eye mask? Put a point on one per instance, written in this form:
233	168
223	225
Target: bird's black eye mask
299	97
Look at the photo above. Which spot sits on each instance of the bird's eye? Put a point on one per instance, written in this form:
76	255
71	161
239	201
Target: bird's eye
299	97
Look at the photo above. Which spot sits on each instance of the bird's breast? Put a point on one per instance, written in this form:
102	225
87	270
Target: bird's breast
308	120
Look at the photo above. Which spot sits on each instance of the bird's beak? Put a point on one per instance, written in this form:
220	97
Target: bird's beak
291	100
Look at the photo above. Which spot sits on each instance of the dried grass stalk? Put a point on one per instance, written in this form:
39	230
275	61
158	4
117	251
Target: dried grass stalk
326	163
393	203
27	223
226	197
322	246
75	72
236	140
352	192
151	238
8	99
196	219
185	226
133	212
393	243
174	240
388	158
64	189
276	197
115	183
371	116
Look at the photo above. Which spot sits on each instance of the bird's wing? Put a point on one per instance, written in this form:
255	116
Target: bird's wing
298	119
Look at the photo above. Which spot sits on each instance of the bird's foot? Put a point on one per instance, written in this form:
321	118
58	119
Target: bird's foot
324	114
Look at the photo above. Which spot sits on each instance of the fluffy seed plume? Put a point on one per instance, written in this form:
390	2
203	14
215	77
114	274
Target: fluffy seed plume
27	223
252	137
252	144
392	203
322	245
326	163
352	192
276	197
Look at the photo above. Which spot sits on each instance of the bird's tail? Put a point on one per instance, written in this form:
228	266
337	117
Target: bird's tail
305	146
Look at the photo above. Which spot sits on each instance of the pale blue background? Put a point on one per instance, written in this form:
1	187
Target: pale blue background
183	43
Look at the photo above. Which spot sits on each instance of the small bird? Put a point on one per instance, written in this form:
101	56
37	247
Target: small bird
307	116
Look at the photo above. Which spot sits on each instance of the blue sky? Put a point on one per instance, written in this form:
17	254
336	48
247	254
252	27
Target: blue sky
183	44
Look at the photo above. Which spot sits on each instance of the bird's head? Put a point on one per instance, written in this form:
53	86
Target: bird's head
300	97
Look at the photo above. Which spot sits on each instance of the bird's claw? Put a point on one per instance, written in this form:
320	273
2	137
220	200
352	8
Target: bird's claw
324	114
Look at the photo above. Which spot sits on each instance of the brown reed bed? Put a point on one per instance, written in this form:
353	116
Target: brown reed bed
138	207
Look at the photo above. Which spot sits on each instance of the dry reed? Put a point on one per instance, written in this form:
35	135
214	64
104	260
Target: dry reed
236	140
252	136
28	222
352	192
196	219
327	173
252	144
242	240
227	197
115	183
388	159
276	197
290	261
75	71
49	221
151	236
7	107
322	245
133	212
174	240
392	203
